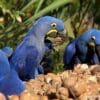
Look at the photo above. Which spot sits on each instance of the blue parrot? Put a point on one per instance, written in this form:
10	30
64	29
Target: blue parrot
29	53
83	49
10	84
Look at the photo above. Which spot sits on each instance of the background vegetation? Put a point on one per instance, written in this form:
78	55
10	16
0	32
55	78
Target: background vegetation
16	16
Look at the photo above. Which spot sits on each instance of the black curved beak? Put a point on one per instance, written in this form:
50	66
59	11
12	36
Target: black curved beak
62	35
57	37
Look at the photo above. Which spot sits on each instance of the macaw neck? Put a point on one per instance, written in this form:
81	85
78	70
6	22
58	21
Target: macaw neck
33	39
37	32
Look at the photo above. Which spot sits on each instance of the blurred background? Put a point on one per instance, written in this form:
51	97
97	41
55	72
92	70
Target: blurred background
16	16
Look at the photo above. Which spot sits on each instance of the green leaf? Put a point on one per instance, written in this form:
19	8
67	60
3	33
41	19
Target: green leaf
53	6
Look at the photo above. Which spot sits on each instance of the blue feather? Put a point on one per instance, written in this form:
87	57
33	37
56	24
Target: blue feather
10	84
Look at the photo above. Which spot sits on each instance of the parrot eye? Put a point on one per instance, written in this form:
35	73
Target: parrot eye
53	25
93	37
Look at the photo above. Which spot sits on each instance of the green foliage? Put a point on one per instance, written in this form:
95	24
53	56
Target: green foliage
16	16
58	58
87	16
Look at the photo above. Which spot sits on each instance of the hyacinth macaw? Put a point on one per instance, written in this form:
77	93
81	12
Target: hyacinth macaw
84	49
10	84
29	53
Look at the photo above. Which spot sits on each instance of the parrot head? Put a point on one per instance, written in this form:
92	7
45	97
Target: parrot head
95	41
47	26
90	41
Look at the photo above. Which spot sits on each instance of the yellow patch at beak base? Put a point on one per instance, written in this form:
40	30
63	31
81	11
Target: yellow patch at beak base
52	31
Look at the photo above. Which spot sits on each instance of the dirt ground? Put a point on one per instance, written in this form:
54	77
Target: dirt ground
83	83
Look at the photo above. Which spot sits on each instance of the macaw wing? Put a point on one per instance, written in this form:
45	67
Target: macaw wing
70	51
32	61
24	61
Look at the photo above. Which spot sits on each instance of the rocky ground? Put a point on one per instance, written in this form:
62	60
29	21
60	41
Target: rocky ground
83	83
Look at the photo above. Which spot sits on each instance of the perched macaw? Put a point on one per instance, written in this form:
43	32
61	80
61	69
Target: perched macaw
29	53
83	49
10	84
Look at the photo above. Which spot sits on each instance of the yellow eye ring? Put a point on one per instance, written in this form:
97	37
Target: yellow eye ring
93	37
53	25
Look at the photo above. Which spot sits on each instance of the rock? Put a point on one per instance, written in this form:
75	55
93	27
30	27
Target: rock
62	93
2	97
69	82
92	79
29	96
40	78
89	96
49	78
80	68
70	99
94	87
79	88
56	82
64	74
44	98
84	67
52	93
13	97
98	79
84	96
34	86
95	70
82	83
46	87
